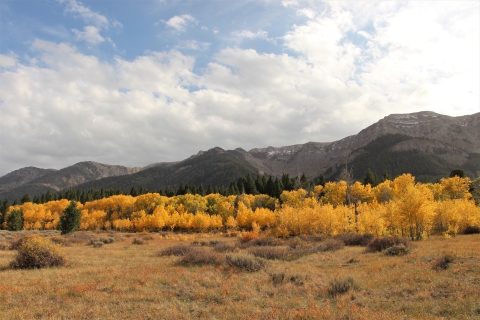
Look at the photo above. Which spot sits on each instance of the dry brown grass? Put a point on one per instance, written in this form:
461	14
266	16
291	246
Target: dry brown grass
120	280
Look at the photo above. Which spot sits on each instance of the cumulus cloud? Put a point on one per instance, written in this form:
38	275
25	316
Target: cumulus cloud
90	35
181	22
69	106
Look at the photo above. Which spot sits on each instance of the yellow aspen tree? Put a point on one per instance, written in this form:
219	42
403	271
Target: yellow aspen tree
335	193
415	207
383	192
456	188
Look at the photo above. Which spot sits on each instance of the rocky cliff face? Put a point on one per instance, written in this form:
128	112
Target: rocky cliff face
453	139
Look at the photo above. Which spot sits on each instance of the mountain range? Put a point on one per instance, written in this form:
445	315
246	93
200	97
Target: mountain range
426	144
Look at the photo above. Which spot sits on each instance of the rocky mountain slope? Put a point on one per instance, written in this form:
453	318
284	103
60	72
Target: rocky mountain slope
426	144
36	181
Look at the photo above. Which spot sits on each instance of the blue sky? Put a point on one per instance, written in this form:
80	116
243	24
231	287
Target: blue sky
138	82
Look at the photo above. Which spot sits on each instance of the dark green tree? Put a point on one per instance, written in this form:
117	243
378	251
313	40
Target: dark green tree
250	187
134	192
370	178
70	221
386	176
15	220
321	181
26	198
457	173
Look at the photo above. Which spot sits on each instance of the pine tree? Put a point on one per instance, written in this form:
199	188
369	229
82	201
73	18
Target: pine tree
15	220
70	221
26	198
133	192
370	178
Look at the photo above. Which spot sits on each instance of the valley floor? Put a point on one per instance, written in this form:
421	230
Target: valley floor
128	279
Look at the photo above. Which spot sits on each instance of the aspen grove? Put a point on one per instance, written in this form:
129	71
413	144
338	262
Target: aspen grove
399	207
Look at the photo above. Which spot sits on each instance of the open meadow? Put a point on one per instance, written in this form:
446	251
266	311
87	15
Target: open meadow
211	276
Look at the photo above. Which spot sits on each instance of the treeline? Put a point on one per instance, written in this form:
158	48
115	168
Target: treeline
400	206
262	184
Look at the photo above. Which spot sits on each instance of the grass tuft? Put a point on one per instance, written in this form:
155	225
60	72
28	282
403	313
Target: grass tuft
200	256
331	245
442	262
245	262
340	286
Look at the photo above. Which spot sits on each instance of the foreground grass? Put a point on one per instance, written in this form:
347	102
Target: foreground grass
132	281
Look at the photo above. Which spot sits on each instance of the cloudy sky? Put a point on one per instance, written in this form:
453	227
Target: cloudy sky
138	82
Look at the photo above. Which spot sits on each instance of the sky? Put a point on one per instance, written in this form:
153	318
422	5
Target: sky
138	82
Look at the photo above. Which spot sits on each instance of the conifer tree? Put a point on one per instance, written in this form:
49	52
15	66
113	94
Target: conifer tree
70	221
15	220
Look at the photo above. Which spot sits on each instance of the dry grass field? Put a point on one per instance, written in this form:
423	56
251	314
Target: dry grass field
129	278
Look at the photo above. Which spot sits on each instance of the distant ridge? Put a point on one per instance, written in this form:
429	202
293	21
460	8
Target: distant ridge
426	144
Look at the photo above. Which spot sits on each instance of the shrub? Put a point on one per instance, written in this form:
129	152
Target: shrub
297	242
277	278
397	250
96	244
177	250
4	246
443	262
224	247
267	241
249	236
339	286
244	262
137	241
60	240
471	230
37	252
381	243
355	239
198	256
331	245
275	253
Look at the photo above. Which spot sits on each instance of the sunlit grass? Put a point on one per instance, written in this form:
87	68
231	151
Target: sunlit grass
127	281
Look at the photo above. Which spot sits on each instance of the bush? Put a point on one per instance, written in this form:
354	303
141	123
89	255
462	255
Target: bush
442	263
198	256
137	241
275	253
246	263
249	236
355	239
381	243
331	245
96	244
4	246
224	247
177	250
471	230
339	286
279	278
397	250
37	252
61	240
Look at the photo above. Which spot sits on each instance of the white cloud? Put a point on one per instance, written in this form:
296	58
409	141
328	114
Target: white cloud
250	35
86	14
180	23
90	35
7	61
193	45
